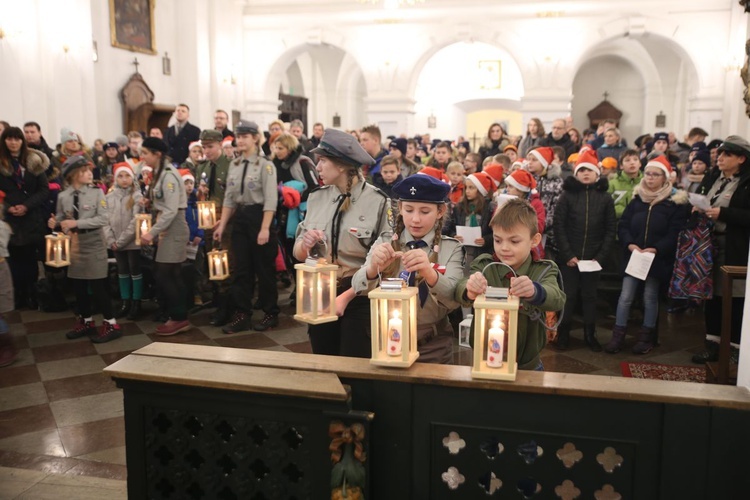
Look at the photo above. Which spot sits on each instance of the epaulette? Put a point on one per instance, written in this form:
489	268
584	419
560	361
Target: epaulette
378	190
319	188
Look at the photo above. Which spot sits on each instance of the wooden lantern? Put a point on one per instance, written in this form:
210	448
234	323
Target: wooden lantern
218	265
58	250
495	335
142	226
393	316
316	291
206	214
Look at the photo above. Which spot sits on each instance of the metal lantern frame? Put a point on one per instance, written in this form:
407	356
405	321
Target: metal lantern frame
393	290
316	291
206	214
57	250
140	220
218	264
495	302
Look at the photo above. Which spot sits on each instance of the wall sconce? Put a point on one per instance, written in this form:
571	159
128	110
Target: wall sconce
166	64
661	120
95	51
66	48
432	120
336	120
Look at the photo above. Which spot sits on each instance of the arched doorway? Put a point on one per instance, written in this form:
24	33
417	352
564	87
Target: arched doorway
466	86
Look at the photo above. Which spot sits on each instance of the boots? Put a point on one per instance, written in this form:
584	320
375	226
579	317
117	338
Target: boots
124	309
589	336
222	315
8	351
563	337
710	354
645	341
618	337
135	311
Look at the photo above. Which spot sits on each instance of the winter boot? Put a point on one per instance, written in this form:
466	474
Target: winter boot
223	314
618	337
124	309
81	329
589	336
645	341
135	311
563	337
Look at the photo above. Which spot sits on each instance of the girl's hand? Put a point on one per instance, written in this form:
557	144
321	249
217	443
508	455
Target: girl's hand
263	236
416	261
650	250
382	256
68	224
114	247
52	222
713	213
633	247
341	302
459	238
573	262
479	242
197	241
311	238
522	287
20	210
476	285
144	202
147	238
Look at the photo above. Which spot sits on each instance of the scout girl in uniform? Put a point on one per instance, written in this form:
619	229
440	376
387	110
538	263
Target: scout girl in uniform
167	200
349	215
123	202
250	199
418	253
82	213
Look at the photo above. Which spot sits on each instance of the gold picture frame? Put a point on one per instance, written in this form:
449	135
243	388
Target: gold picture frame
131	25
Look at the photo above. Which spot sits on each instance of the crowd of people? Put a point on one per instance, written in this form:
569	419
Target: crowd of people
556	209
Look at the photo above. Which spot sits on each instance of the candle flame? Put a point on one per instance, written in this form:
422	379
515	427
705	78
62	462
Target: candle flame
496	322
395	314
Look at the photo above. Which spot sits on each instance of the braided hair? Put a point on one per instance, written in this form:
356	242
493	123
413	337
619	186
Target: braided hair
351	174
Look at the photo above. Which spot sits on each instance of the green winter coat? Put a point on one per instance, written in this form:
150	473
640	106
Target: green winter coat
220	184
531	333
621	188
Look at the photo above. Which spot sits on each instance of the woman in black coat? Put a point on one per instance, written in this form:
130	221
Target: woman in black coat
584	230
728	189
23	179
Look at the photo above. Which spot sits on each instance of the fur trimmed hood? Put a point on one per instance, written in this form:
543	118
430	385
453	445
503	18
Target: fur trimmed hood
679	196
37	162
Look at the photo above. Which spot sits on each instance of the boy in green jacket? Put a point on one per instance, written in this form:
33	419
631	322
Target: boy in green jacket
621	186
515	233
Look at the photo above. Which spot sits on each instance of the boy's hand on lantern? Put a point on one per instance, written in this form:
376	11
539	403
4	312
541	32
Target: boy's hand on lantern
476	285
522	287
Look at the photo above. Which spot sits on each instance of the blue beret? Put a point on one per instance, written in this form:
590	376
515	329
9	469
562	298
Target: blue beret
344	147
422	188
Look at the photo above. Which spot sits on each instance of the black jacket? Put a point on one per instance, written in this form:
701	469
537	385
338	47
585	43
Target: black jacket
32	192
178	144
736	216
584	221
564	142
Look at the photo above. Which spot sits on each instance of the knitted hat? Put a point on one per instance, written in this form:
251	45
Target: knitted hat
510	146
110	144
703	156
609	163
195	144
661	136
399	143
521	180
121	140
587	159
544	155
573	158
495	171
483	182
698	146
123	167
186	175
662	163
435	173
67	135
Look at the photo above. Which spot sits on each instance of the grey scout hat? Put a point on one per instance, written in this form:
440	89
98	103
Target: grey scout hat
246	127
73	163
735	144
344	147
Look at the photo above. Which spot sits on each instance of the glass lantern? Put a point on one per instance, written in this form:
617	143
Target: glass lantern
57	250
464	331
316	291
393	317
495	335
142	226
218	265
206	214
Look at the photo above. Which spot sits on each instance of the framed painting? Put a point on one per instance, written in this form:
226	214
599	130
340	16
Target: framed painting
131	25
489	75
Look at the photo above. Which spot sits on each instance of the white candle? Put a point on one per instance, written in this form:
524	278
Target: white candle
206	217
217	267
495	340
57	251
394	335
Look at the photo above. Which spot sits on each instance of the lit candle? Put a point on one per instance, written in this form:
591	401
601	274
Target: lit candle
394	335
495	340
206	213
58	250
217	267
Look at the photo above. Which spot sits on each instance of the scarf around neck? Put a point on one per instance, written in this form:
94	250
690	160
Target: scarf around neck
653	197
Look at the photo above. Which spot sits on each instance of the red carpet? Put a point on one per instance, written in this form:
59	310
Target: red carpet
656	371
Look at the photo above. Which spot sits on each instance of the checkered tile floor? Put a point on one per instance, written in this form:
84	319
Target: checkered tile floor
61	418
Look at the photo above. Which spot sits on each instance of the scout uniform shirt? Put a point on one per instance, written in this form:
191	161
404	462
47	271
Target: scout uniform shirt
252	181
88	252
350	234
450	268
531	332
220	180
168	197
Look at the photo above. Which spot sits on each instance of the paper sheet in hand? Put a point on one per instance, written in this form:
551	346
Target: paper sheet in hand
639	264
589	266
699	201
192	251
502	198
469	234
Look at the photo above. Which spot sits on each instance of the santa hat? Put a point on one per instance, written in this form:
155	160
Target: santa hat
495	171
519	163
228	140
145	169
123	167
186	175
544	155
587	159
2	198
521	180
195	144
436	173
662	163
483	182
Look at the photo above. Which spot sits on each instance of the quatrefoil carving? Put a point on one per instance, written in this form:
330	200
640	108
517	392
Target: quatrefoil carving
569	455
454	443
610	460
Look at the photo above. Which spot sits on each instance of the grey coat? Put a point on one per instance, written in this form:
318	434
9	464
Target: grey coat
121	227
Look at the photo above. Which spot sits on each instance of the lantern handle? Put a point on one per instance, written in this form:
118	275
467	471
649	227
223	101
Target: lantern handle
325	244
515	275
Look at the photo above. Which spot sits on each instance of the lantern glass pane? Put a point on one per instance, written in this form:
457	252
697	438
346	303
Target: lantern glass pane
321	282
496	335
392	321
